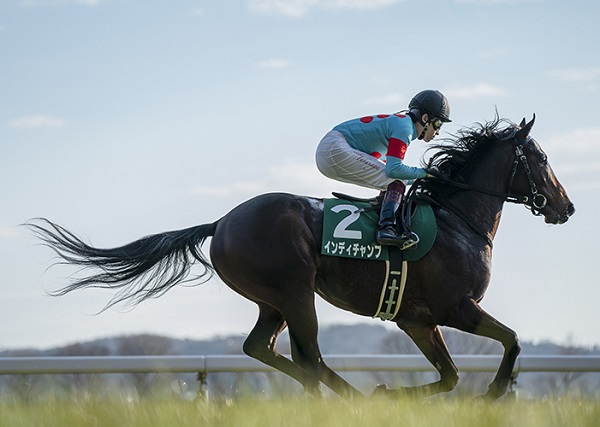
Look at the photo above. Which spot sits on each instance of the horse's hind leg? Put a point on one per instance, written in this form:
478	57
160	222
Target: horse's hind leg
303	328
430	341
261	342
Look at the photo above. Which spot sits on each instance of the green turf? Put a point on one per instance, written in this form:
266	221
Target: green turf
300	412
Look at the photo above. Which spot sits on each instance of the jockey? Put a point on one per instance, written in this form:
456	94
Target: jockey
369	152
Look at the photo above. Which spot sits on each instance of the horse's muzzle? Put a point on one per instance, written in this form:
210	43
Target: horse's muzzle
568	212
555	216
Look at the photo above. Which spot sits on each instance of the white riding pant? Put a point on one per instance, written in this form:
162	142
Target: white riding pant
337	160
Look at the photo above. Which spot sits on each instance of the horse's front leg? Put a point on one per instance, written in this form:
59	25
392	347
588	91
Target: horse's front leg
470	317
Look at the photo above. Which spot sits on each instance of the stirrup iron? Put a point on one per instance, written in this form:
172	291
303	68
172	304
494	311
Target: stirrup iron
412	240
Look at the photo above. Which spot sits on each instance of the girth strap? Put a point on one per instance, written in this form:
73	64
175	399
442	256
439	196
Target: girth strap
396	270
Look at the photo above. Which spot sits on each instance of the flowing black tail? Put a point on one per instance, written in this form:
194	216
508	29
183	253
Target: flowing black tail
146	268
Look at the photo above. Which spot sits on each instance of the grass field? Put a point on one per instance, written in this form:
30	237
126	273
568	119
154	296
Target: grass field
301	412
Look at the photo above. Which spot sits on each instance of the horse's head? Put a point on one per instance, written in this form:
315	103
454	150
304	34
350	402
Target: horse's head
476	159
533	181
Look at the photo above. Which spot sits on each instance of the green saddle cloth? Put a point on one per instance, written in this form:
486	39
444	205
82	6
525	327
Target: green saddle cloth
349	230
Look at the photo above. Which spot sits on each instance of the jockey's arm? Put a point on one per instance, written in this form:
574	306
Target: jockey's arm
394	165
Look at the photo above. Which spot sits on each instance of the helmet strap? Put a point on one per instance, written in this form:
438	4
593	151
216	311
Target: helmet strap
424	130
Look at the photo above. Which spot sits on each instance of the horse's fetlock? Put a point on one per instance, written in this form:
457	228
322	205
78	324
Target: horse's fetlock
517	347
449	382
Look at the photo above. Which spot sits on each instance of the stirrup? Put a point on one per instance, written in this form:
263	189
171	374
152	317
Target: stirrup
409	241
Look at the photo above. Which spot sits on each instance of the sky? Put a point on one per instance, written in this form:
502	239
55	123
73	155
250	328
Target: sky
123	118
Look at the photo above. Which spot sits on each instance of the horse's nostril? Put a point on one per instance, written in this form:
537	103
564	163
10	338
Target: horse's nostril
570	209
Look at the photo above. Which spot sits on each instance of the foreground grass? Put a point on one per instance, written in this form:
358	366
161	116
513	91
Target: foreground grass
300	412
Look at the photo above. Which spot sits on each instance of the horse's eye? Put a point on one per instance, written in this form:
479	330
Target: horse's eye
543	160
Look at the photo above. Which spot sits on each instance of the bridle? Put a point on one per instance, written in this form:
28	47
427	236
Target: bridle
538	200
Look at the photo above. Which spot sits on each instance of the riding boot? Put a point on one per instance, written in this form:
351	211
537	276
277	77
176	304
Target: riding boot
387	233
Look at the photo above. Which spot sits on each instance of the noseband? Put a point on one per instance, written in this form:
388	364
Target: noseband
538	200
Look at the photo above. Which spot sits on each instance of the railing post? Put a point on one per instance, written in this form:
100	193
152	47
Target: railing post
203	387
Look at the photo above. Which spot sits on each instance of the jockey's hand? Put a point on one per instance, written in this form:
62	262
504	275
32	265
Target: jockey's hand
433	172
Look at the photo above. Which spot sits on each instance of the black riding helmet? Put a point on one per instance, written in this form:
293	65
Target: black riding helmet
431	102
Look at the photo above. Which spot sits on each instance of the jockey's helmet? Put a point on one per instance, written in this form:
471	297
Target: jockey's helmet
431	102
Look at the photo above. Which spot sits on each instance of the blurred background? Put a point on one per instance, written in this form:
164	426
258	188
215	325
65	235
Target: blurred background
123	118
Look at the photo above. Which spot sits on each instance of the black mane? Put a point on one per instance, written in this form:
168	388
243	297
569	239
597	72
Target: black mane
455	156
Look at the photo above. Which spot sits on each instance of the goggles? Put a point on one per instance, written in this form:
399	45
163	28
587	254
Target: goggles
437	123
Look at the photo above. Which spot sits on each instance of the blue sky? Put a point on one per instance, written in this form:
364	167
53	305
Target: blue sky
122	118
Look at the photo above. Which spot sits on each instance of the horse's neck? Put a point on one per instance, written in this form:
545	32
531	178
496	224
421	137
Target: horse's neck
482	209
479	210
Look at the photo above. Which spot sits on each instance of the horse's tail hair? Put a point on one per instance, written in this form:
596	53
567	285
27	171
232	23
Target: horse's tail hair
143	269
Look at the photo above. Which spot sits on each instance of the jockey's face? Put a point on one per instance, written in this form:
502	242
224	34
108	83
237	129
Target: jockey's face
433	128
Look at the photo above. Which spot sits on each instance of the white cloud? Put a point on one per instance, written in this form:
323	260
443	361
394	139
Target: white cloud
479	90
273	64
36	121
34	3
299	8
298	178
198	11
583	186
392	99
230	189
494	2
7	232
574	154
575	142
494	53
575	168
584	74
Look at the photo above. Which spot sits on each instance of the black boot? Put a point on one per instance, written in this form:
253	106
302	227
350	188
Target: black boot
386	232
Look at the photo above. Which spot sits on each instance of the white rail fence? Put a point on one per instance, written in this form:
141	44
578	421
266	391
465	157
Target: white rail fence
203	365
240	363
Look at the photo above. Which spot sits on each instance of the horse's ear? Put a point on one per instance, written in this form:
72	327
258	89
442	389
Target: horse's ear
523	133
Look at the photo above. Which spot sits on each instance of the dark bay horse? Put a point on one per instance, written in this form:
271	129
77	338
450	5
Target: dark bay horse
268	250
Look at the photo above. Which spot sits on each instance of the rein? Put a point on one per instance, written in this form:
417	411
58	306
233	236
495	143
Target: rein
456	212
538	200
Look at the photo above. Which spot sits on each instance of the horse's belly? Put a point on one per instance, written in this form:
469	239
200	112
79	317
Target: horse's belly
353	285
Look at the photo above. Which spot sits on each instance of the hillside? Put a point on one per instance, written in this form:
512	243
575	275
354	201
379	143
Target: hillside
339	339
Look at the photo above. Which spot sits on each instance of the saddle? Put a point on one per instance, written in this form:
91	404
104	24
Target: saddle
350	226
404	214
